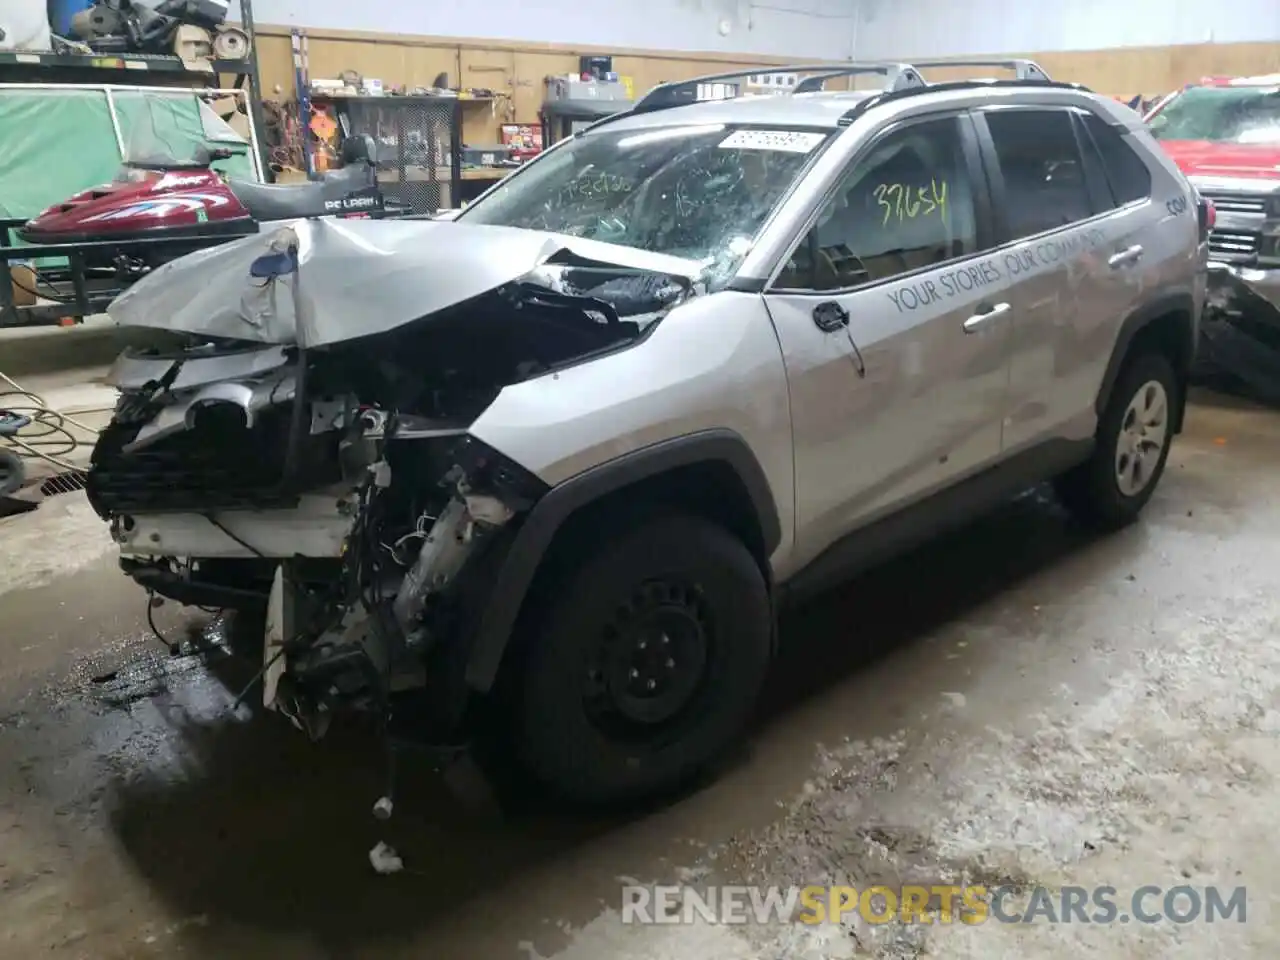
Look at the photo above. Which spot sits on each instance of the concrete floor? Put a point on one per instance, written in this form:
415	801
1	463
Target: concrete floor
1017	702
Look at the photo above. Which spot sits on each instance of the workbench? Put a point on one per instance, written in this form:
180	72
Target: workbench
476	180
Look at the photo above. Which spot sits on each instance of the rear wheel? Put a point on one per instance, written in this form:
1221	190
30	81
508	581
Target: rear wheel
645	664
1133	440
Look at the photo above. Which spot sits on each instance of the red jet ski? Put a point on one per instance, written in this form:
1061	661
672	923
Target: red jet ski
159	197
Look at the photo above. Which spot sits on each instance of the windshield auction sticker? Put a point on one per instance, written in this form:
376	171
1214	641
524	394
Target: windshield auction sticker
784	141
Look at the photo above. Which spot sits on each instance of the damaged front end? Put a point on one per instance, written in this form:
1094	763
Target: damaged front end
356	535
1240	330
335	488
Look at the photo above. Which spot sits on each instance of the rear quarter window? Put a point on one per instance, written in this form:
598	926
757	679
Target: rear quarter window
1127	173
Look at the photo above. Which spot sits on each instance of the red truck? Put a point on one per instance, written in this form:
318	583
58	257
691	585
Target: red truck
1224	132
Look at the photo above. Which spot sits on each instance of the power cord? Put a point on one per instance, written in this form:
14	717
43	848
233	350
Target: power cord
48	427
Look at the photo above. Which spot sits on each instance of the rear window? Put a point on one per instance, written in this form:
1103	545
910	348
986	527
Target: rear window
1127	174
1040	160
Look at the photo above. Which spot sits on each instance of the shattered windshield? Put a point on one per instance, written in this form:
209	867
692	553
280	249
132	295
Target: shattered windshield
1241	115
698	192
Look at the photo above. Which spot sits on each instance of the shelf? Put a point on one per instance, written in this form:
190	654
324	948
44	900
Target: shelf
92	61
487	173
396	97
584	109
46	63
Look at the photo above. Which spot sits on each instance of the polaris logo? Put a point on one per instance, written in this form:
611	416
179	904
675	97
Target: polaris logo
351	203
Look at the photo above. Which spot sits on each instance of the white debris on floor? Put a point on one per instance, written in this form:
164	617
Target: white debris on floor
385	860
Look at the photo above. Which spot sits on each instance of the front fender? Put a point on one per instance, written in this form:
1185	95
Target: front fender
536	534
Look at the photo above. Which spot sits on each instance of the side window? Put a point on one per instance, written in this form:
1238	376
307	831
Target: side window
1126	172
903	205
1044	179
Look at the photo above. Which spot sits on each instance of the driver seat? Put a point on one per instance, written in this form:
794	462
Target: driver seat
291	201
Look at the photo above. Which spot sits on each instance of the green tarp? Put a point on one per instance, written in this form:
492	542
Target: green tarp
178	123
56	143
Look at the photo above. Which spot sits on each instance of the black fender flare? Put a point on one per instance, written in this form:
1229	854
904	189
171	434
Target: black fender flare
548	515
1180	303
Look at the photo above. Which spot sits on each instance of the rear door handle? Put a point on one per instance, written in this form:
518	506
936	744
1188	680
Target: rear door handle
1125	257
974	323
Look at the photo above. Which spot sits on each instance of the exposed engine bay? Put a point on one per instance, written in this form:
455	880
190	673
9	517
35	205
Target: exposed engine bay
337	489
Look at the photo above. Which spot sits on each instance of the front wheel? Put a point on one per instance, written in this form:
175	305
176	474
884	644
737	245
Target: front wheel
645	664
1134	436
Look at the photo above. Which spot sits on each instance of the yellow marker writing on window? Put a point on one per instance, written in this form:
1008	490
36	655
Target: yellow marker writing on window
902	202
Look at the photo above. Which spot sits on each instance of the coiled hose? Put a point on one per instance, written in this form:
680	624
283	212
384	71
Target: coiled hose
45	435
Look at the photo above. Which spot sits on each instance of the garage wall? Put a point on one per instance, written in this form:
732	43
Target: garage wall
514	70
938	28
813	29
1133	48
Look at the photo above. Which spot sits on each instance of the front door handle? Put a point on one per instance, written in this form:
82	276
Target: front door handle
1125	257
974	323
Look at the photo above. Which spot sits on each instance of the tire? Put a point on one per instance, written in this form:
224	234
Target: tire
586	726
1095	492
13	473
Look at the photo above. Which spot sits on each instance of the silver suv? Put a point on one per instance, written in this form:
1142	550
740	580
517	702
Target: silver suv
542	475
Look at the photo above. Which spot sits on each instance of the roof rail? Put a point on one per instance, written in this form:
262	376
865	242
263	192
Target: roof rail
901	79
678	93
898	76
890	96
1022	69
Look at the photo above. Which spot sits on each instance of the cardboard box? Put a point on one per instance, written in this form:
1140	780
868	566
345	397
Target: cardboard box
27	278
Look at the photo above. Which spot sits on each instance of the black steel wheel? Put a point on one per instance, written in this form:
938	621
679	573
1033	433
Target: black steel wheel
649	659
645	664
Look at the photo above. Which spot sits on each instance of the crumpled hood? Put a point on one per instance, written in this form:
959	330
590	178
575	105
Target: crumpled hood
353	278
1208	159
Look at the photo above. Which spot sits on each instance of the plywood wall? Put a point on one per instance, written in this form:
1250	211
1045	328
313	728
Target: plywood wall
1161	69
516	71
